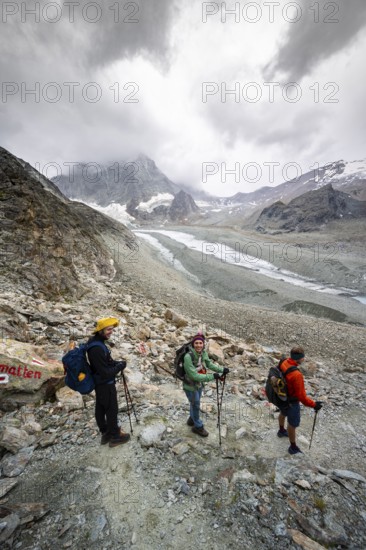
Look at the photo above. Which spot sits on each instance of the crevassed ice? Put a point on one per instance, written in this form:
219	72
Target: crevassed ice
166	254
235	257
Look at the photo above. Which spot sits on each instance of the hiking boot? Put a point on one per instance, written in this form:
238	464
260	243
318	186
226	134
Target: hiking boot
119	439
294	450
105	438
190	422
200	431
283	433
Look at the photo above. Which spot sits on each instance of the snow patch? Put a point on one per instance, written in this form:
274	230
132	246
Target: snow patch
353	169
155	201
203	204
346	171
114	210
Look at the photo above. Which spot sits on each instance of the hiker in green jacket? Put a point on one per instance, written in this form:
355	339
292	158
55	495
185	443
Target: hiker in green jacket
196	363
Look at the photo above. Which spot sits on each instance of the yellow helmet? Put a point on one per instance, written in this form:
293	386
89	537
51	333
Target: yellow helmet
106	322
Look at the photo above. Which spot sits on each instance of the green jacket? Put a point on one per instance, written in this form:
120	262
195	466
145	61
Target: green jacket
195	381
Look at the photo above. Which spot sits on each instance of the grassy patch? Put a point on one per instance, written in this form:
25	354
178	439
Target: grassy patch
320	503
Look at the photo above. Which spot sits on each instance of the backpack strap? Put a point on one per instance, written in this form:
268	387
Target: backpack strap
96	343
193	362
186	378
291	369
93	345
95	375
191	354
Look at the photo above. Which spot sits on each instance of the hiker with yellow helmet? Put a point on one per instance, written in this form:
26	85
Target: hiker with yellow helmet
104	370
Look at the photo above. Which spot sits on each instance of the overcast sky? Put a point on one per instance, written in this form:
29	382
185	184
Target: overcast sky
175	61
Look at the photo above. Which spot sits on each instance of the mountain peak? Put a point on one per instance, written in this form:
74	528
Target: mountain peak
182	206
310	211
139	188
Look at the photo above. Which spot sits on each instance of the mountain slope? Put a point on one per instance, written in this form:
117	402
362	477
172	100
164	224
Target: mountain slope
349	177
242	209
51	246
310	211
121	182
128	191
182	206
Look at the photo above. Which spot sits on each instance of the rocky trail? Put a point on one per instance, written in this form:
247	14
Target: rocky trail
168	488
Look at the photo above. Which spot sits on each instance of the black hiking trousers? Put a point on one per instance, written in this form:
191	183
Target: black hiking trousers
106	408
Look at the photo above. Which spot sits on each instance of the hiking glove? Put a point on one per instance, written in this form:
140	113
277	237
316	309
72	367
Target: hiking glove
318	405
122	365
217	376
226	371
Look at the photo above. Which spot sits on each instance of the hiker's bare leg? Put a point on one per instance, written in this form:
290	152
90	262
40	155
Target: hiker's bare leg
281	420
291	433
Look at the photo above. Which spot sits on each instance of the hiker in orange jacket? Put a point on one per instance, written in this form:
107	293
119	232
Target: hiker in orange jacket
297	394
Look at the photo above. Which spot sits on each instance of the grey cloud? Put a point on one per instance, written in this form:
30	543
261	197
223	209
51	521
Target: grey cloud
149	35
82	45
309	42
65	51
294	130
232	120
294	133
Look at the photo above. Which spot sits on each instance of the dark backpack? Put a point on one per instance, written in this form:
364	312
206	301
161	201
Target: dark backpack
75	364
179	371
276	387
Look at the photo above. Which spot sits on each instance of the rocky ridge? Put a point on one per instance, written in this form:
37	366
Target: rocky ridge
135	181
310	211
49	243
138	186
182	206
242	209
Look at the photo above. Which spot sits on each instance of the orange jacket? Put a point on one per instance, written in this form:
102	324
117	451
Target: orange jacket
295	384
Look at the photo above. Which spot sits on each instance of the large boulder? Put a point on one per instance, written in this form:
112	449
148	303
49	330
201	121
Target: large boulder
215	352
175	318
32	376
13	465
69	400
152	434
14	439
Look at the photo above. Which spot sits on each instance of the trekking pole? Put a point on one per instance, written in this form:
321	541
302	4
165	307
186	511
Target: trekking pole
130	398
127	402
222	392
218	410
312	432
166	370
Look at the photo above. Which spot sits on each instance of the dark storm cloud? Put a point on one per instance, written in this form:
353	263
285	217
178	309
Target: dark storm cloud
75	49
144	29
137	27
310	42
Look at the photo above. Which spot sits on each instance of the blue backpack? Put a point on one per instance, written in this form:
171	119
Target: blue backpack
76	364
